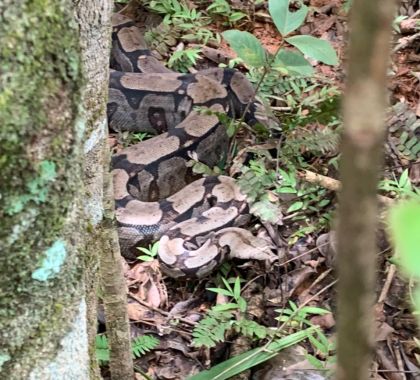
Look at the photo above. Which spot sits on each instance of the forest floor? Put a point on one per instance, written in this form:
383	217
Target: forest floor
297	291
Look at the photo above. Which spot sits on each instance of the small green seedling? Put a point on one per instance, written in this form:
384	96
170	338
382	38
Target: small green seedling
150	253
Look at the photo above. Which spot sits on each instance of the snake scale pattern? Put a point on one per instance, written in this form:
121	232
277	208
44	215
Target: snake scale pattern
157	197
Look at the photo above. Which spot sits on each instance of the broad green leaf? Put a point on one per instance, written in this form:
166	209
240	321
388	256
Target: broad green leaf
404	179
286	21
294	63
240	363
295	206
315	48
286	190
405	227
235	16
145	258
247	46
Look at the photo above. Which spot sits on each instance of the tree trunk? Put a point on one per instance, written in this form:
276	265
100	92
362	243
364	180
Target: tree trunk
364	131
53	127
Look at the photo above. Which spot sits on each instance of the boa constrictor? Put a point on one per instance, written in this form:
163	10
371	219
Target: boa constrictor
155	197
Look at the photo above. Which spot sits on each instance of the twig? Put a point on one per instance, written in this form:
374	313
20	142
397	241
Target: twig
164	313
405	41
333	184
387	284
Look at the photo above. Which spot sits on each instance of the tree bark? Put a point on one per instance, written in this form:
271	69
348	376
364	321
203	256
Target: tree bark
363	137
53	120
94	20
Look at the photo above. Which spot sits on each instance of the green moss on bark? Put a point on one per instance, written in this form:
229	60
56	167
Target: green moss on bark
39	93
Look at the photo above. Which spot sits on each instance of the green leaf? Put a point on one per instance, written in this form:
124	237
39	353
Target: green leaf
101	348
249	359
315	310
226	306
405	227
237	288
236	16
316	48
314	361
294	63
144	250
223	292
228	287
295	206
286	190
145	258
286	21
404	179
143	344
242	304
318	345
247	47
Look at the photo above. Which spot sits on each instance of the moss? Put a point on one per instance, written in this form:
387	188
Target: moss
39	94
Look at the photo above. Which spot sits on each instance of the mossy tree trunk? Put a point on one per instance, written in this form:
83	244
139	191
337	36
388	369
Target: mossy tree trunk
53	85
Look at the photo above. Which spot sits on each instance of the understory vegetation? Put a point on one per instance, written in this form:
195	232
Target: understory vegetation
289	173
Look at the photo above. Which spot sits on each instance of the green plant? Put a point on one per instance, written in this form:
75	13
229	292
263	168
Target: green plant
401	187
264	186
212	328
102	349
249	359
140	346
187	23
297	318
223	9
238	303
397	22
250	50
150	253
409	145
324	349
404	222
220	318
143	344
130	138
182	60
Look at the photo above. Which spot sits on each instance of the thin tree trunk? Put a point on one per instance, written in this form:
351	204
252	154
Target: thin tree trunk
364	131
114	292
94	19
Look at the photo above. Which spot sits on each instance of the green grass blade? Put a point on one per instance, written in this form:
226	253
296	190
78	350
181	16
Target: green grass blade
251	358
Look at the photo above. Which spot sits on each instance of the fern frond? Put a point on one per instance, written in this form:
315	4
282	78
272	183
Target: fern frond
250	328
313	142
102	348
143	344
211	329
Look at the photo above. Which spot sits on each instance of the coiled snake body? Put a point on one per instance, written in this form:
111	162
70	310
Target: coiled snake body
155	197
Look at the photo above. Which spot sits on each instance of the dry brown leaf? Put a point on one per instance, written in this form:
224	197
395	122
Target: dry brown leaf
326	321
137	312
153	295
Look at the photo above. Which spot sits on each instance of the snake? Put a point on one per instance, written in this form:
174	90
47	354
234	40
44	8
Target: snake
157	195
